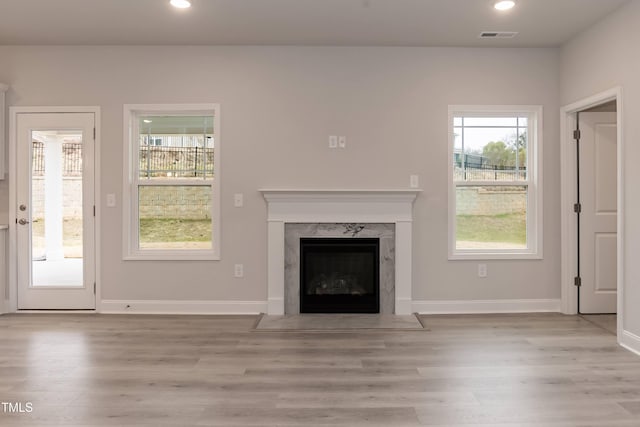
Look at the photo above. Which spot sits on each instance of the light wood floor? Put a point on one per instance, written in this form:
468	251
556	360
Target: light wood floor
489	370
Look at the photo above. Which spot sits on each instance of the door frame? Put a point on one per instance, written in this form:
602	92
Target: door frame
569	294
13	262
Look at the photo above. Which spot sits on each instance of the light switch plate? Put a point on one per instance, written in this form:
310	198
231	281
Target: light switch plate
414	181
238	270
482	270
342	142
333	141
111	200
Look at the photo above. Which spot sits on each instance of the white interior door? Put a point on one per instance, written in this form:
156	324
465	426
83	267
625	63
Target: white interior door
598	196
55	211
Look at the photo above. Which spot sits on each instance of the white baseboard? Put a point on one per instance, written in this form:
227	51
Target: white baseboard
630	341
487	306
182	307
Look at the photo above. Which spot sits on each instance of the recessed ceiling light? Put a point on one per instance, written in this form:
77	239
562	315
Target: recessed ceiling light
181	4
504	4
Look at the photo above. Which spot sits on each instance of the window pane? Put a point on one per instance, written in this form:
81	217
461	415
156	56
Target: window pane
176	146
490	121
175	217
491	217
490	154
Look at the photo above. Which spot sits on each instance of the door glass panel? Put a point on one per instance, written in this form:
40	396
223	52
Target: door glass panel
56	209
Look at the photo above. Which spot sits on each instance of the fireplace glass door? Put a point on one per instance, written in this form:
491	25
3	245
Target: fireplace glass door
339	275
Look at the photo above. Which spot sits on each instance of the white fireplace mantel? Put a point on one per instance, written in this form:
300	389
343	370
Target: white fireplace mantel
339	206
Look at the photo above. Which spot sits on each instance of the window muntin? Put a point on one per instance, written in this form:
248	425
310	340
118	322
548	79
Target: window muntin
494	200
172	189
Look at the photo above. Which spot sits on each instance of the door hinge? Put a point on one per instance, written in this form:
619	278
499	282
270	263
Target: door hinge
94	288
577	281
94	210
576	134
94	134
577	207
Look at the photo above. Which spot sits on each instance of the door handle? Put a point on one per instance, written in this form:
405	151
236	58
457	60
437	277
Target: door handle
23	208
23	221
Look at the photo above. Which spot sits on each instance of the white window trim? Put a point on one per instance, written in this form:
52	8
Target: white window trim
131	251
534	192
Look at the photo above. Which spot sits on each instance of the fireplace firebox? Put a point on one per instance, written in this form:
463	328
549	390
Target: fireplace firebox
339	275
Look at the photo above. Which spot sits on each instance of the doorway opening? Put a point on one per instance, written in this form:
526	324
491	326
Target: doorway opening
592	182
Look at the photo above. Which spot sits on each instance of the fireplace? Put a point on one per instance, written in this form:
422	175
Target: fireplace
339	275
286	207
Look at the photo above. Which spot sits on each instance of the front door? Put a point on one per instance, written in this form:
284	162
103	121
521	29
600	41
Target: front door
55	211
598	219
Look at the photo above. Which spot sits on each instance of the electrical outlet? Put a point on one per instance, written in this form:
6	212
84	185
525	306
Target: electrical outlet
238	270
238	200
342	141
414	181
111	200
482	270
333	141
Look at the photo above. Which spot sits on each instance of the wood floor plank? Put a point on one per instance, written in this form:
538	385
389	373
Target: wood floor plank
297	416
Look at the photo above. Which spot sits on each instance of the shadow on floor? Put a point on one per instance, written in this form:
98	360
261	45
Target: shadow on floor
607	322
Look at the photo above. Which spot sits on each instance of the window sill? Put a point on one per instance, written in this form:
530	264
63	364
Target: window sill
172	256
479	256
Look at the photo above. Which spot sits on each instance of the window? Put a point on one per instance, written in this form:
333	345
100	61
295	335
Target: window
495	194
171	195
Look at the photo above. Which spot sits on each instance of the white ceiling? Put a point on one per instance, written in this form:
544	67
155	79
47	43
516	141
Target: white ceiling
541	23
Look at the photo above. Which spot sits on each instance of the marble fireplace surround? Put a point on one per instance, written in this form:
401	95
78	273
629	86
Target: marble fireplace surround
339	207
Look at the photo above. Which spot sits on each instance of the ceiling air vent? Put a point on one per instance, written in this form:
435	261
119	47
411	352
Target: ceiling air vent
498	34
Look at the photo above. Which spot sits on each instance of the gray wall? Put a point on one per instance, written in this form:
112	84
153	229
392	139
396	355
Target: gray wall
278	107
603	57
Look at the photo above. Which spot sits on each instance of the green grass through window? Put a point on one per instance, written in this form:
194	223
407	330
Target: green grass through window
175	230
505	228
